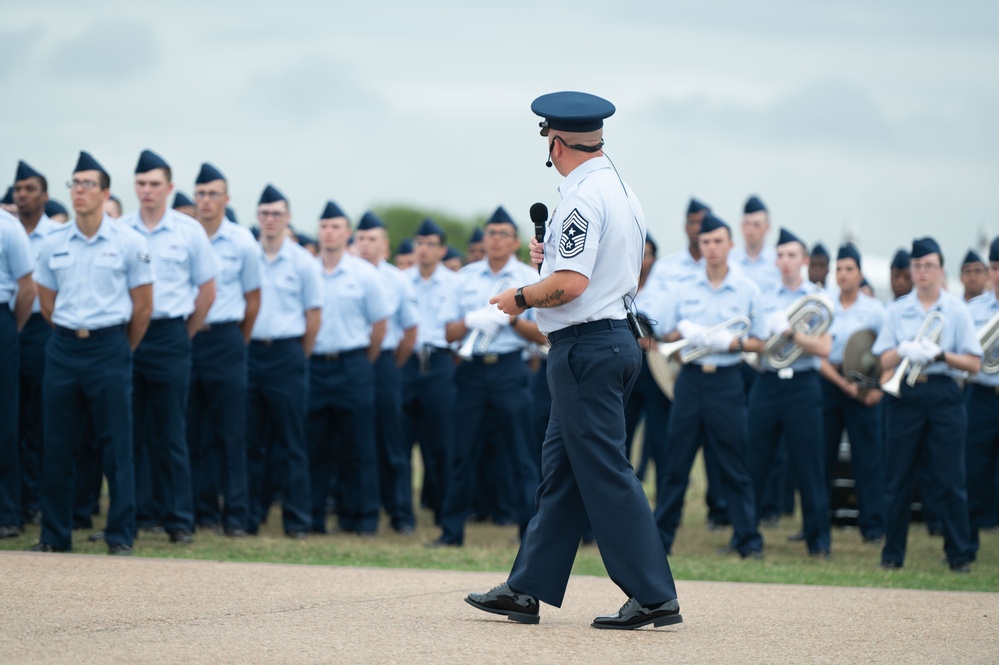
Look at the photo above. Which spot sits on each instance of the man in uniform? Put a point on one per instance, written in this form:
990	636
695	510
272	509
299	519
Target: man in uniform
341	421
974	275
184	271
183	205
56	212
493	379
395	474
113	207
30	194
786	402
216	406
95	286
818	266
476	246
847	406
280	345
7	202
16	265
928	419
404	256
901	276
592	255
755	258
453	260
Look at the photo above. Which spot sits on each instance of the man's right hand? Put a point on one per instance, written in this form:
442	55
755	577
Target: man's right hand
537	252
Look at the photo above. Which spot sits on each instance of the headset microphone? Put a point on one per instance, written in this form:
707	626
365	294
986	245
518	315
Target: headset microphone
539	215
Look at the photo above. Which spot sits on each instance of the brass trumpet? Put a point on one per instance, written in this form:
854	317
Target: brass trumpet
811	314
477	342
931	329
737	325
988	336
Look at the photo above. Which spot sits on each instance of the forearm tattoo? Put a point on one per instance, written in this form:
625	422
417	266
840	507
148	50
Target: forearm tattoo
553	299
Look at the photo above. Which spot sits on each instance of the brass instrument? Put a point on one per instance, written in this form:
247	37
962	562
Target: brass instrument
737	325
811	314
860	366
477	342
932	329
988	336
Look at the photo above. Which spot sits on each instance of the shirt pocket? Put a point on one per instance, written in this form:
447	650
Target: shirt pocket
109	272
230	269
173	264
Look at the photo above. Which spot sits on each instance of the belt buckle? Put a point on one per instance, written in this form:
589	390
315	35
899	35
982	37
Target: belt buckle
922	378
332	357
709	369
785	373
82	333
205	328
996	389
490	359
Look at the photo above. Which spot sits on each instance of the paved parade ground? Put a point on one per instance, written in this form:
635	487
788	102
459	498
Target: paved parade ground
98	609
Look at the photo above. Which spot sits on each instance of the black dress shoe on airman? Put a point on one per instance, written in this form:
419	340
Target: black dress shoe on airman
633	615
235	532
95	537
503	600
890	565
181	537
121	549
751	554
298	535
42	547
9	531
441	542
962	567
796	537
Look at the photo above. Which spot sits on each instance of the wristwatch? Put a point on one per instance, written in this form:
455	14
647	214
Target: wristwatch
518	298
738	346
941	357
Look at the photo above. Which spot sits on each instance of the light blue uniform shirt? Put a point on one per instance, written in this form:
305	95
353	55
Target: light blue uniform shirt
353	299
598	230
478	283
983	308
779	298
436	301
762	270
700	302
16	257
905	316
866	313
238	254
92	277
666	273
399	293
183	261
44	227
289	285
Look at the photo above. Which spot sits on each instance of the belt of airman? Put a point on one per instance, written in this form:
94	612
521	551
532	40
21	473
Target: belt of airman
586	329
222	325
493	358
87	333
173	320
988	390
337	356
708	368
276	341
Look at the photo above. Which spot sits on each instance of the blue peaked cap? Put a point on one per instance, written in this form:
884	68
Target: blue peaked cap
476	236
820	250
994	250
8	197
571	111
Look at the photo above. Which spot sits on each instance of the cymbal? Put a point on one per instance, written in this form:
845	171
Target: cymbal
857	356
664	371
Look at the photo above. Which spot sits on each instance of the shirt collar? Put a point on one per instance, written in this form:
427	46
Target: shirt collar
103	231
702	278
804	288
507	268
44	225
580	172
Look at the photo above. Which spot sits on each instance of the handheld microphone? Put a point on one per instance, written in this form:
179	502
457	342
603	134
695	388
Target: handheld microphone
539	216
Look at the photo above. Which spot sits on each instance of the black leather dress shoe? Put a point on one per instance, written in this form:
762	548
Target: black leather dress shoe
633	615
181	537
298	535
235	532
439	543
9	531
752	554
121	549
889	565
42	547
960	568
796	537
95	537
503	600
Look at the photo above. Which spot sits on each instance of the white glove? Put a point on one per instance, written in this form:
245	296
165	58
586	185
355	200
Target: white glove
688	329
914	353
720	341
497	316
778	323
483	320
931	349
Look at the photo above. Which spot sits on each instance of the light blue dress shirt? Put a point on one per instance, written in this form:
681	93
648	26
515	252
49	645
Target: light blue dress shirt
666	274
399	293
779	298
353	300
478	283
44	227
289	285
436	301
866	313
16	256
93	277
762	270
983	308
238	254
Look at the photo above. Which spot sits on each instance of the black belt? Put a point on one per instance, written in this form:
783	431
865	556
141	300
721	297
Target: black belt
85	333
586	329
274	341
224	325
988	390
493	358
156	323
337	356
708	368
36	317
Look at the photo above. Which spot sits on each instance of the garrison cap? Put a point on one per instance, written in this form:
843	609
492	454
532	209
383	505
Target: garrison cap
332	211
849	251
53	207
429	227
786	237
86	162
923	246
148	161
571	111
370	220
650	241
971	257
271	194
901	260
180	200
754	204
405	246
476	236
711	223
820	250
231	215
8	197
696	206
501	216
452	253
994	250
24	171
304	240
208	173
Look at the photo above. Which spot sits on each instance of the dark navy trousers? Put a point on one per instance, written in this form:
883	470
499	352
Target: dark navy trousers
341	435
395	476
216	426
504	388
708	406
32	340
11	513
792	409
982	457
928	419
647	402
864	428
92	375
161	379
276	402
585	473
427	399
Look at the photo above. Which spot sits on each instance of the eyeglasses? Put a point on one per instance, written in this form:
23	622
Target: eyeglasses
272	214
924	267
431	244
211	196
498	234
973	271
82	184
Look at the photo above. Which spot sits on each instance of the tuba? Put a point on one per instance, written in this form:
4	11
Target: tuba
809	315
988	336
931	329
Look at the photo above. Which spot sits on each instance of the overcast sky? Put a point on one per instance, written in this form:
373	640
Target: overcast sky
872	118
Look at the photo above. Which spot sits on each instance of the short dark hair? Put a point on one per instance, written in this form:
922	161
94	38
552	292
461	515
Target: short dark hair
104	179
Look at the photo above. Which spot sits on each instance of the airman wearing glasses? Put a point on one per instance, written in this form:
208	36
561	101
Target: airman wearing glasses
974	275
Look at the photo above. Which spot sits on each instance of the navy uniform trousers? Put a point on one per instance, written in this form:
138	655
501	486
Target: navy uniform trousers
929	419
592	368
983	455
92	375
32	340
341	435
395	475
277	451
792	407
11	513
864	429
501	384
647	401
216	422
160	384
427	398
708	406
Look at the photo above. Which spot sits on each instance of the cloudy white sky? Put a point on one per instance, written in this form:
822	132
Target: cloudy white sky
871	118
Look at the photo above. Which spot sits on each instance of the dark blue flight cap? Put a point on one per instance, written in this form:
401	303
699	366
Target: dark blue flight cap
901	260
696	206
86	162
452	253
24	171
8	198
711	223
786	236
994	250
271	195
650	241
972	257
332	211
501	216
429	227
476	236
53	207
180	200
208	173
754	204
571	111
923	246
231	215
820	250
148	161
405	246
304	240
370	220
255	232
849	251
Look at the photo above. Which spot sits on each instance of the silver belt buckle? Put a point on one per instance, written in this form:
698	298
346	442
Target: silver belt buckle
785	373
